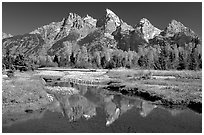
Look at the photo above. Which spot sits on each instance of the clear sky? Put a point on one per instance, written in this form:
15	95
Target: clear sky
20	18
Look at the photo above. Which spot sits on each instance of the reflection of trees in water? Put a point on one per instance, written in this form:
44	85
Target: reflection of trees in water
125	105
74	106
81	88
175	112
146	108
79	106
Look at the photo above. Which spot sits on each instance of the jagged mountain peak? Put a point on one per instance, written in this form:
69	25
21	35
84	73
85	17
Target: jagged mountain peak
74	20
144	21
175	22
147	29
177	27
78	21
90	20
87	17
108	11
73	15
110	14
110	22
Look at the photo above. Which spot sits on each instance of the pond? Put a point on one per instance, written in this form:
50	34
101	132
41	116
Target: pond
95	110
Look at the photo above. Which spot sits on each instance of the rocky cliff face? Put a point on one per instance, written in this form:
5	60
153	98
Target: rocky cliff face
48	32
177	33
72	21
175	27
58	30
27	44
86	31
110	22
147	29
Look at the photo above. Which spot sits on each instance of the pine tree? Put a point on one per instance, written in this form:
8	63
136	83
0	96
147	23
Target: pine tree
150	58
68	50
181	65
98	58
85	54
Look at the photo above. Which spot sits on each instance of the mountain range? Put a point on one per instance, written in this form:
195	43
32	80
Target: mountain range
110	30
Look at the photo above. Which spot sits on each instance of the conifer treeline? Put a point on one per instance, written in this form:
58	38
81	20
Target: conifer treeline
162	56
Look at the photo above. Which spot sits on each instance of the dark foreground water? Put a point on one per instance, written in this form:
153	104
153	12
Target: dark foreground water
96	110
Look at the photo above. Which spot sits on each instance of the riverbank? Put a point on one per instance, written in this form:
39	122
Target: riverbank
27	90
22	94
169	88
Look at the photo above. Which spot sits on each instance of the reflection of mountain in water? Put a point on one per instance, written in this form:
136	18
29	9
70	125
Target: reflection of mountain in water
84	104
73	107
146	108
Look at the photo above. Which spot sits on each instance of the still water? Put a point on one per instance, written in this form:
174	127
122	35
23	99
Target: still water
97	110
